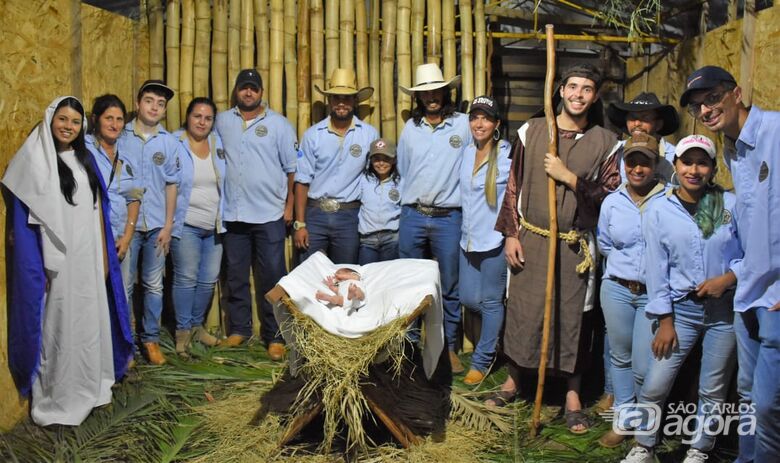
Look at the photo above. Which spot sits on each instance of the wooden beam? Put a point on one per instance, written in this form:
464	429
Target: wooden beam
748	40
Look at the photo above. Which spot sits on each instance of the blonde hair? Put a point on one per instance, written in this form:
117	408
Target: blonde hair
492	175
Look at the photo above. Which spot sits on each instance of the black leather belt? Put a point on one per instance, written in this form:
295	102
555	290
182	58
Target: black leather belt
634	286
433	211
331	205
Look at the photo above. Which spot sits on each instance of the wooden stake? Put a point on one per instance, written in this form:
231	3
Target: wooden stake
450	68
480	48
262	39
388	63
316	60
434	32
418	26
331	37
219	80
466	51
186	59
200	63
290	62
246	31
276	78
361	55
304	84
172	119
156	37
373	66
234	40
552	242
404	58
347	34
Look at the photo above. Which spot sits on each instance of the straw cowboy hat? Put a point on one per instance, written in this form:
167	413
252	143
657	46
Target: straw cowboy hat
343	82
429	77
618	111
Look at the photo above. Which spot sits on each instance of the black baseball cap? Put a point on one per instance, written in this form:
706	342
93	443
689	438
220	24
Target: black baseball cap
704	79
155	84
486	104
249	77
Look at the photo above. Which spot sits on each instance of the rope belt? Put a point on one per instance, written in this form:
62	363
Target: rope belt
570	237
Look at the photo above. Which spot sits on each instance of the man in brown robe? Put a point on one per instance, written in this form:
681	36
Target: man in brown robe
585	171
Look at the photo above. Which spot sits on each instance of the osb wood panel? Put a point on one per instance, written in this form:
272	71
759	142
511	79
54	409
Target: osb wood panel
766	59
35	56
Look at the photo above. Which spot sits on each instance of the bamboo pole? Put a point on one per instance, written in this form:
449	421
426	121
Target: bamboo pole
417	26
304	84
361	55
316	59
275	84
347	34
156	37
434	32
290	62
201	62
172	119
219	80
331	36
246	31
552	242
404	58
187	55
373	65
388	62
480	48
449	59
466	51
261	38
234	39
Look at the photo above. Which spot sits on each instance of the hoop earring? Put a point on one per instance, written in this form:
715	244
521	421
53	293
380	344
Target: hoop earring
673	179
496	134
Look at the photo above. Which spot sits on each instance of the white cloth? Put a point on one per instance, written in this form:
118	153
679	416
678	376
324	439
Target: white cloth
351	305
76	369
393	289
204	198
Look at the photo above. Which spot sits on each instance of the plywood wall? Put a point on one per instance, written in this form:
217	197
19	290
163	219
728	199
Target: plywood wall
50	48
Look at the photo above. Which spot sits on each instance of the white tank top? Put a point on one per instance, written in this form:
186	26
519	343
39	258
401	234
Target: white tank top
204	198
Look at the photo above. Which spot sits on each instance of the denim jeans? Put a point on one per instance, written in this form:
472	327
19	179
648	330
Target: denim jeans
197	256
758	381
420	237
630	334
265	242
378	247
609	387
335	233
482	287
144	246
717	363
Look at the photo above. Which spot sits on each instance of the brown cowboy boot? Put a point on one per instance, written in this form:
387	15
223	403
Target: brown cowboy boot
183	342
153	353
200	334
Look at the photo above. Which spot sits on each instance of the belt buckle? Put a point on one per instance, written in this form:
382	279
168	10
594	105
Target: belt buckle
329	205
635	287
425	210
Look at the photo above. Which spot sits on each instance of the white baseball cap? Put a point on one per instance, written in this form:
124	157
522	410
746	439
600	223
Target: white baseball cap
695	141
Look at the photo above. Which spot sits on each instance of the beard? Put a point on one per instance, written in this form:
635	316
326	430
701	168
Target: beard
339	117
248	107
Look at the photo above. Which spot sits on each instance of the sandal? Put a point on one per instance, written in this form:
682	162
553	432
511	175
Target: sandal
501	398
574	418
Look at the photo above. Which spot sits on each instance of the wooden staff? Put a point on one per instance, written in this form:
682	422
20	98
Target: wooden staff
552	148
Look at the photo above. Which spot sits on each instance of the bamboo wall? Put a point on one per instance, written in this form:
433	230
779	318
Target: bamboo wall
50	48
295	44
721	47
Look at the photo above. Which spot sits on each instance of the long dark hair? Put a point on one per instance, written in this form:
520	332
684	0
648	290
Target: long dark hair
196	101
447	107
100	105
67	182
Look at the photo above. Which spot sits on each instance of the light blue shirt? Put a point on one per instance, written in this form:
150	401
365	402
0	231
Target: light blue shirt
619	234
380	205
331	164
755	168
678	256
479	219
665	166
187	174
155	162
122	189
259	156
429	161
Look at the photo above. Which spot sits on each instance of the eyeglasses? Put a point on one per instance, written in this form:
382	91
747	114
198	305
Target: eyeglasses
710	101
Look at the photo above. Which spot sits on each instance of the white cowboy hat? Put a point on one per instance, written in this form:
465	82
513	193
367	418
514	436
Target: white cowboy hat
429	77
343	82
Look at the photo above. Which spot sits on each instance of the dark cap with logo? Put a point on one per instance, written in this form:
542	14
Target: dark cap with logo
485	104
704	79
641	143
156	85
249	77
382	146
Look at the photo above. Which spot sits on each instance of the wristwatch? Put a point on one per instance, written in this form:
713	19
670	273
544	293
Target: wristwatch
298	225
